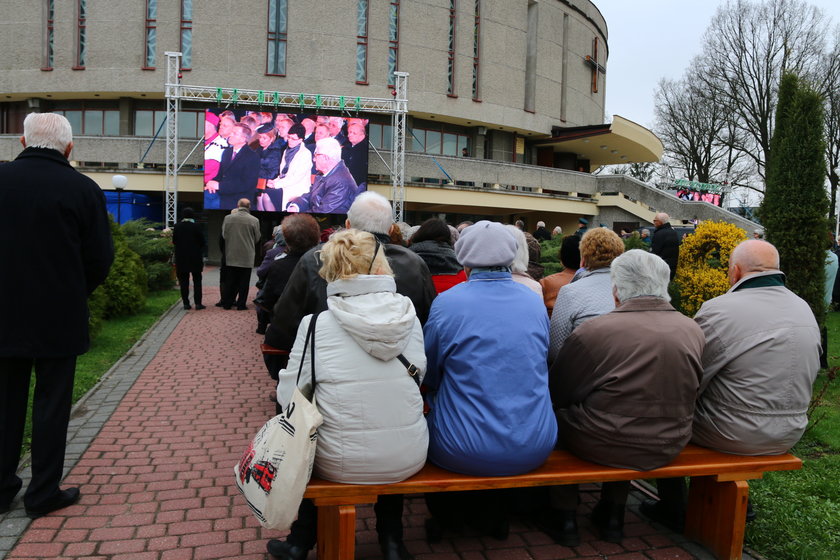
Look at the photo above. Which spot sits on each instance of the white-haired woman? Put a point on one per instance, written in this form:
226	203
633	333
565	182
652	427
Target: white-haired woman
519	266
373	431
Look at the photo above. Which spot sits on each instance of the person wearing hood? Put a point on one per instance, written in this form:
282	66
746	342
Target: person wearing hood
487	346
374	431
433	243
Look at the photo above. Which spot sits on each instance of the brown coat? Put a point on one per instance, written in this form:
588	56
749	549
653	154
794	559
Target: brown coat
624	385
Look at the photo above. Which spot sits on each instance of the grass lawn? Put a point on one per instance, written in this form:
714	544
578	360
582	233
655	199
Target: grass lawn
116	338
799	511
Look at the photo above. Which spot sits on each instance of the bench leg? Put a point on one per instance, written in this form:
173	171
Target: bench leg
717	515
336	532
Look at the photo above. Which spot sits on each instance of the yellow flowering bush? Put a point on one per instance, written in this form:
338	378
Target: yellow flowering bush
704	262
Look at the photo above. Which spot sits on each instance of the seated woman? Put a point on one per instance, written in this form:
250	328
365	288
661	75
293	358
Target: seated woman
570	259
590	294
486	345
373	431
432	242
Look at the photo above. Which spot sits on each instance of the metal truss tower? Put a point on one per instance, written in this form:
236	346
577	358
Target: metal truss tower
274	100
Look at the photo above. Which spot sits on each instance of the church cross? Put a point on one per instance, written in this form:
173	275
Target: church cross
592	61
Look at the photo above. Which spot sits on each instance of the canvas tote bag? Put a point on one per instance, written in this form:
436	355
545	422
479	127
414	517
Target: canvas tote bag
273	472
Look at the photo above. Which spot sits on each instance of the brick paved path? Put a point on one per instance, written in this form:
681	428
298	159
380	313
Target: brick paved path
157	479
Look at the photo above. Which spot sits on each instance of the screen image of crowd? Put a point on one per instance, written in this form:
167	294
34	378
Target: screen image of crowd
283	162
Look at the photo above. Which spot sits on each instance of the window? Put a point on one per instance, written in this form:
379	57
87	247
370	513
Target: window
151	34
93	122
49	35
148	122
476	51
380	136
361	41
450	86
277	24
437	142
186	34
81	34
393	40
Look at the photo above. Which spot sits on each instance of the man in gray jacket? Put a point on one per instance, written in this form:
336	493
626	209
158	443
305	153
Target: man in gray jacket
241	232
759	365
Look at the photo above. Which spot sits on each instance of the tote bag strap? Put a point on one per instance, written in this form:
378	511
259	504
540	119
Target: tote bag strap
310	341
411	368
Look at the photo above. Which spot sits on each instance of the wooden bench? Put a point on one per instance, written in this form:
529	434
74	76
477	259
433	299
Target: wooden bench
717	503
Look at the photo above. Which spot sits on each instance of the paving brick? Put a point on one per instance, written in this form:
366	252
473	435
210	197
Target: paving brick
672	553
86	522
220	551
80	549
187	527
194	540
122	547
38	550
180	554
112	533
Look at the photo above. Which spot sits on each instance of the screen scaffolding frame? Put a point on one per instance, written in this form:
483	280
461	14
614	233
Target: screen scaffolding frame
175	92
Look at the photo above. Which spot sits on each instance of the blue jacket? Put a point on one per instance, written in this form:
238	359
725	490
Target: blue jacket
486	345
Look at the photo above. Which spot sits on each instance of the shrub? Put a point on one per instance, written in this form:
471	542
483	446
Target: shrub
704	262
634	241
125	288
97	302
155	250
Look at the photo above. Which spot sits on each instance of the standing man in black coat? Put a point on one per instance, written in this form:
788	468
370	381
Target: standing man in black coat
56	250
666	242
189	256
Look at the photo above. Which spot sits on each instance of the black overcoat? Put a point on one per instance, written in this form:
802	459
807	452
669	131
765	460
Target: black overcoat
55	249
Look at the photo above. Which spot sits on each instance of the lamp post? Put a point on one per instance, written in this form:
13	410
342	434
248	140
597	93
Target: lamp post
119	182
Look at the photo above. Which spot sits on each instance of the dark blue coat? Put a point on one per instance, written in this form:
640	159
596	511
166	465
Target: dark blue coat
238	178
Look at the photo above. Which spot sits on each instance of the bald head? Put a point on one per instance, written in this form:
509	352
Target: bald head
751	257
244	203
661	218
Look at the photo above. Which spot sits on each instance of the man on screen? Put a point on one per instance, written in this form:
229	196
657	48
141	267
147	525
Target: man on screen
355	153
295	176
334	189
238	170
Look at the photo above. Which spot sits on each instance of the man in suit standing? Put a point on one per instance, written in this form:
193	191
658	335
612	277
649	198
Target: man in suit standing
189	256
44	323
238	170
241	232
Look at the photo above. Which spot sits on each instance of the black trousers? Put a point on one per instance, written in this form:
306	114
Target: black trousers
50	416
388	508
183	274
236	286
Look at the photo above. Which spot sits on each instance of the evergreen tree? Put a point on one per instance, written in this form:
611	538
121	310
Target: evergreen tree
795	207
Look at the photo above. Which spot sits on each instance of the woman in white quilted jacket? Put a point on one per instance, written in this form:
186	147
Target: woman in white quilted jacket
374	431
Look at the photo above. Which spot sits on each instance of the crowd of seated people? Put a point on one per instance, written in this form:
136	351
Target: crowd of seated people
283	161
498	401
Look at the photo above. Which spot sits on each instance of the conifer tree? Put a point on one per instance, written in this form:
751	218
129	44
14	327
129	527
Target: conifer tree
795	207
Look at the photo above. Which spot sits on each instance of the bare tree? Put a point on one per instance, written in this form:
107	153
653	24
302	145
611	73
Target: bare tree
828	83
747	47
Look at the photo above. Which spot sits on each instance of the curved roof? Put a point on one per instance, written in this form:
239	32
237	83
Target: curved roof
621	141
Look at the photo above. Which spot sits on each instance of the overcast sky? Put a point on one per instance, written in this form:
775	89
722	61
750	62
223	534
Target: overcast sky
654	39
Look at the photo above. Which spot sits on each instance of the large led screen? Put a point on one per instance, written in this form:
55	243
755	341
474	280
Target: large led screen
283	162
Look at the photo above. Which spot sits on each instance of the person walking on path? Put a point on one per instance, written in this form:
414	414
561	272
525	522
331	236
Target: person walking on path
189	256
44	323
241	233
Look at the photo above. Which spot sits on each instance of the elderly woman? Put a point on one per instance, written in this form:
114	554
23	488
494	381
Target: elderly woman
486	343
432	243
519	266
373	431
590	294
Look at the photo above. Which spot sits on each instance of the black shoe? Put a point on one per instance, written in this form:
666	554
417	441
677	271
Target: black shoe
199	306
220	304
665	514
64	499
241	307
226	307
393	548
261	329
187	306
751	514
560	525
285	551
608	518
4	508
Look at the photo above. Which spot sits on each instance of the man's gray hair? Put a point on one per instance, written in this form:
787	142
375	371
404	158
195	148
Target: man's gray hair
639	273
47	130
329	147
371	212
520	261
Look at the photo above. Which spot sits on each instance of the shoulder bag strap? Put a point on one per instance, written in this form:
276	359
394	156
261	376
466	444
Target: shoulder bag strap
310	341
411	368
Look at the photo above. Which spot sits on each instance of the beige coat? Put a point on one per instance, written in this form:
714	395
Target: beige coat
624	385
761	359
241	231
